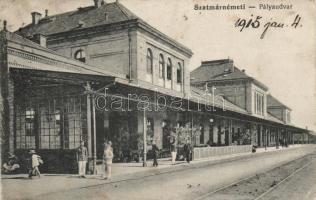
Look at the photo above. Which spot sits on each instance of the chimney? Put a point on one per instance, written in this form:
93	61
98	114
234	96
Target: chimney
231	65
4	25
36	16
46	13
98	3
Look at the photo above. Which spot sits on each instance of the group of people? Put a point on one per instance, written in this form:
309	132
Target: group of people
11	165
187	150
82	155
33	161
82	158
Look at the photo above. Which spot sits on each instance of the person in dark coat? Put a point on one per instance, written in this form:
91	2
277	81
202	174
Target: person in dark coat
156	153
187	151
173	149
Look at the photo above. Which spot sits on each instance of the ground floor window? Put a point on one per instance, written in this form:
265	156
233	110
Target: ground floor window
25	127
51	123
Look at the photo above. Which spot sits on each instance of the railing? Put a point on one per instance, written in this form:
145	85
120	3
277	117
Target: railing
205	152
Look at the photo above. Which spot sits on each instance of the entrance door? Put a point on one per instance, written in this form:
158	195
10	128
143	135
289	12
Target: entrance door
211	135
101	132
259	136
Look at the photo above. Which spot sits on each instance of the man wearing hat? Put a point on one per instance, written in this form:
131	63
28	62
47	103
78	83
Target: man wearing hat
35	159
82	157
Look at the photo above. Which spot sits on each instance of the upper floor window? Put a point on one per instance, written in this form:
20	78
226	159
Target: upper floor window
169	69
179	73
149	61
259	103
161	66
80	55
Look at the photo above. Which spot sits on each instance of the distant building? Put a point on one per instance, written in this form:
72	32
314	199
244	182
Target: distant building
223	78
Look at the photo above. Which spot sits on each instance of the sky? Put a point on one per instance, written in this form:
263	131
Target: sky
284	59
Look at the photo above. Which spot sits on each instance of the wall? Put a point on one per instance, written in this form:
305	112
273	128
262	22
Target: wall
109	51
277	112
234	92
144	41
7	89
117	50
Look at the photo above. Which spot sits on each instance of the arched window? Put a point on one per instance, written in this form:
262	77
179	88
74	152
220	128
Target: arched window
161	66
149	61
80	55
179	73
169	69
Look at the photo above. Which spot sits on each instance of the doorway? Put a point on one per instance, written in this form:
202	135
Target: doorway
102	132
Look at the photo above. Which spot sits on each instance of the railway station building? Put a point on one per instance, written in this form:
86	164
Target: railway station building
101	73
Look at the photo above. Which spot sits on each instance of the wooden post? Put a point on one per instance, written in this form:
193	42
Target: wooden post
145	138
94	137
231	133
277	138
261	138
266	140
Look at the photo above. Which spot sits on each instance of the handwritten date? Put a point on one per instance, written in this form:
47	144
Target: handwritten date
256	23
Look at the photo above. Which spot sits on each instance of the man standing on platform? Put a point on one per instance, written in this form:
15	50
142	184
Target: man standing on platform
82	158
187	150
173	148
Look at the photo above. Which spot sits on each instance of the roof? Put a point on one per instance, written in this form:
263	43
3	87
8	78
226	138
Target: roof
220	70
270	117
274	102
89	17
218	101
53	61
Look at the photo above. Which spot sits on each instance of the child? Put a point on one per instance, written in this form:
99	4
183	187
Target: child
36	161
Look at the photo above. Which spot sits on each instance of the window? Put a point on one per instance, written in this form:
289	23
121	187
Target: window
149	61
80	55
179	73
52	123
25	126
150	128
29	121
169	69
259	103
161	67
50	126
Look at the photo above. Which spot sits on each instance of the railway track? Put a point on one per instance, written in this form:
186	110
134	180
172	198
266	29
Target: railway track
228	190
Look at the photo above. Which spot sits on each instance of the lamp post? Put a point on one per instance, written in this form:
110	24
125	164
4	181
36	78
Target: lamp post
94	136
144	138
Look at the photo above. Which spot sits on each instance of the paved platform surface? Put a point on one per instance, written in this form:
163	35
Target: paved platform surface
51	183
